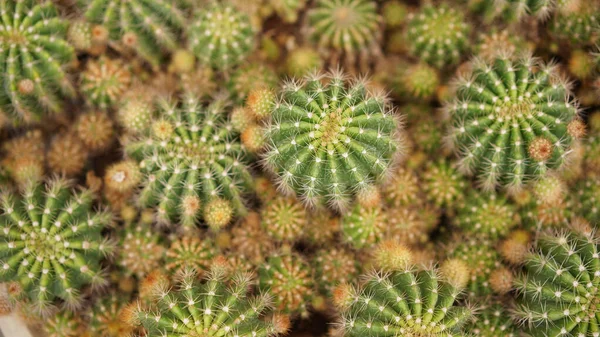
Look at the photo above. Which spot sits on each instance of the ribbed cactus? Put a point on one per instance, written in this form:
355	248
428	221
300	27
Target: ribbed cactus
64	324
587	199
334	266
558	293
492	320
402	303
218	306
511	10
438	35
576	21
148	27
189	251
442	184
510	121
104	81
52	243
105	316
192	159
344	25
486	215
363	227
330	140
249	77
33	57
284	219
140	249
221	36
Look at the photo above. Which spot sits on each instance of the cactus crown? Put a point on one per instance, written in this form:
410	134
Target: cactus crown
330	138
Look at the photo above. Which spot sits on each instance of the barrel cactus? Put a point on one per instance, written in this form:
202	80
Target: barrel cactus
329	139
52	243
104	81
511	10
486	215
33	58
510	121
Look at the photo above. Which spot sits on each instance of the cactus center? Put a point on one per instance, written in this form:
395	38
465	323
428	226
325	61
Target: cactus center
330	127
344	17
14	37
194	151
44	246
510	109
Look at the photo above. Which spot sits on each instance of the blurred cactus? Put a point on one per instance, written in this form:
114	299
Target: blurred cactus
104	81
486	215
105	316
576	21
512	10
284	219
189	251
443	185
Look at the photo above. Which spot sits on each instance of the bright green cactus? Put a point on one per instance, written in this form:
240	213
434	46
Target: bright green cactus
218	306
438	35
486	215
344	25
221	36
52	243
558	293
363	227
402	303
492	320
330	140
104	81
194	164
587	199
510	121
33	57
150	28
576	21
443	185
511	10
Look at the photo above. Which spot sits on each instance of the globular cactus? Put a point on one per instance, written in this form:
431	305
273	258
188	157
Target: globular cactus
284	219
363	227
33	58
302	61
438	35
492	320
557	294
288	277
511	10
411	226
415	81
189	251
193	163
403	189
510	121
221	36
576	21
288	10
219	305
135	114
344	25
249	77
443	184
67	155
95	130
322	228
24	157
332	267
52	243
402	303
148	28
105	316
495	43
329	139
141	249
104	81
587	199
64	324
250	240
486	215
394	13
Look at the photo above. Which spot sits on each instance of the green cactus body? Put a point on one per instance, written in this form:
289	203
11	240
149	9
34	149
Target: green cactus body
288	278
591	157
249	77
222	36
189	252
105	316
140	250
558	293
443	184
33	57
363	227
492	320
64	324
329	141
344	25
404	303
404	188
192	157
302	61
510	121
511	10
486	215
576	21
587	199
482	258
135	114
52	243
148	27
495	43
438	35
284	219
415	81
104	82
427	135
332	267
287	9
218	306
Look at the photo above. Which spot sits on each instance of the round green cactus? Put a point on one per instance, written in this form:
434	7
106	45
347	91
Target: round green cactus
486	215
64	324
438	35
402	303
329	139
148	27
587	199
492	320
333	267
302	61
189	251
510	121
249	77
140	249
415	81
442	184
287	9
33	57
104	81
576	21
481	258
284	219
218	306
344	25
363	227
105	316
193	163
511	10
558	293
221	36
52	243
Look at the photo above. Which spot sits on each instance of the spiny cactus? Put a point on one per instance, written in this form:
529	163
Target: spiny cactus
221	36
105	316
415	81
218	306
442	184
33	58
104	81
411	226
250	240
492	320
52	243
493	44
148	28
438	35
302	61
511	10
403	189
510	121
64	324
95	130
402	303
189	251
330	140
332	267
587	199
344	25
140	248
558	292
249	77
576	21
486	215
284	219
194	164
363	227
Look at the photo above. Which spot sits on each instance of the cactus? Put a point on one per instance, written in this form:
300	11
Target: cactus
427	136
322	228
394	13
189	251
148	28
218	306
486	215
33	57
288	278
587	199
492	320
284	219
52	243
104	81
512	10
24	157
105	316
415	81
249	77
140	248
344	25
332	267
443	185
581	64
363	227
402	303
329	141
576	21
67	155
221	36
403	189
64	324
496	43
194	164
411	226
510	121
287	9
135	114
556	294
250	240
438	35
95	130
302	61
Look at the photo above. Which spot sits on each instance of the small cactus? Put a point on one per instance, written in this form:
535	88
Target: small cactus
189	251
576	21
443	185
363	227
587	199
492	320
33	57
415	81
403	189
104	81
140	248
95	130
249	77
284	219
288	10
486	215
105	316
302	61
510	121
64	324
332	267
329	141
511	11
52	243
